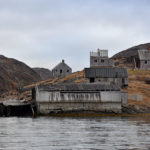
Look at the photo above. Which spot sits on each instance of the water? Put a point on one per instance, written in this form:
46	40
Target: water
47	133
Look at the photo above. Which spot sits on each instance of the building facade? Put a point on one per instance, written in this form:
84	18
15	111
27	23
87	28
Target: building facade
143	61
79	97
118	76
61	70
100	59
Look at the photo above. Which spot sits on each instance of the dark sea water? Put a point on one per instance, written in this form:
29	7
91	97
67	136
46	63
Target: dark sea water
48	133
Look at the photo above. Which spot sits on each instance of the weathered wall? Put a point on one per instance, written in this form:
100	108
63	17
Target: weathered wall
96	101
144	66
45	96
101	62
61	70
136	97
118	81
46	108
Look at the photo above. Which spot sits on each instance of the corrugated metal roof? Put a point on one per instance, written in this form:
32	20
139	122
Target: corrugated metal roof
106	73
144	54
79	87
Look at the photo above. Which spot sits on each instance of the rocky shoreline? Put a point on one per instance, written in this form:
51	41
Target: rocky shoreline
26	111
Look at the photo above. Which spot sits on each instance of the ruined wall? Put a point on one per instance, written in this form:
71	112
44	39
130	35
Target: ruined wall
61	97
144	65
46	108
136	97
118	81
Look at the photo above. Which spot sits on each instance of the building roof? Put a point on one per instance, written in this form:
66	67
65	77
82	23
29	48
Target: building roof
106	73
144	54
79	87
61	65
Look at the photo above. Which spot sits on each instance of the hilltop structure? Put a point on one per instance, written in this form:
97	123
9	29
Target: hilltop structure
142	61
61	70
102	70
100	59
132	58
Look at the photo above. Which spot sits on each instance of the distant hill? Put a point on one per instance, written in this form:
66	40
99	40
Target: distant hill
125	57
14	73
44	73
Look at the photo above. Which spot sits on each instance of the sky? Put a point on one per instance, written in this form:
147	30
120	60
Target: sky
43	32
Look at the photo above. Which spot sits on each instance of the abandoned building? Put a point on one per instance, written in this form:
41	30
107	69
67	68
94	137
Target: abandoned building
79	97
61	70
142	61
100	59
118	76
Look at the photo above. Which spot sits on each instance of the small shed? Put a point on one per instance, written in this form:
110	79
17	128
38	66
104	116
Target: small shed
143	61
108	75
61	70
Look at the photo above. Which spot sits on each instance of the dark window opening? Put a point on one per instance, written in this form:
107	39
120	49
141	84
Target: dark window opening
123	80
92	80
56	70
145	61
102	60
60	70
33	94
67	70
95	60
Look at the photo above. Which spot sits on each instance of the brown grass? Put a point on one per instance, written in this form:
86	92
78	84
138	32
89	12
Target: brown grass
138	86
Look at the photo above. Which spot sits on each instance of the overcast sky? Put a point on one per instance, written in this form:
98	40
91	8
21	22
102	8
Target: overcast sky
42	32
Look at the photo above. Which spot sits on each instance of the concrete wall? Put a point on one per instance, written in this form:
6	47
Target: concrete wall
102	53
135	97
106	101
101	62
46	108
61	97
119	81
144	66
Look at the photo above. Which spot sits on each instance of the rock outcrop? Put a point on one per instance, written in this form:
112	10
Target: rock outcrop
14	73
44	73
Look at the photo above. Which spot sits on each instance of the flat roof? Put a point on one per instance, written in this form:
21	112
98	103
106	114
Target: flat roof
79	87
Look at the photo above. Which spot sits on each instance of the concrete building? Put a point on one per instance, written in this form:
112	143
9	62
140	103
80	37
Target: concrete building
100	59
79	97
118	76
61	70
142	61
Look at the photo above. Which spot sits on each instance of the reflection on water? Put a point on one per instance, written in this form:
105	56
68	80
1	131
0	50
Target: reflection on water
46	133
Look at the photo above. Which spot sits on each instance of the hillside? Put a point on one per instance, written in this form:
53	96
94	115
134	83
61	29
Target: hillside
125	57
43	73
14	74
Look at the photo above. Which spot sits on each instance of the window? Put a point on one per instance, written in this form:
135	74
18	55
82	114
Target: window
92	80
145	61
56	70
102	60
60	70
67	70
95	60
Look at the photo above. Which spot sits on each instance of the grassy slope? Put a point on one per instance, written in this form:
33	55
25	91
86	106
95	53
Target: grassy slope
137	85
